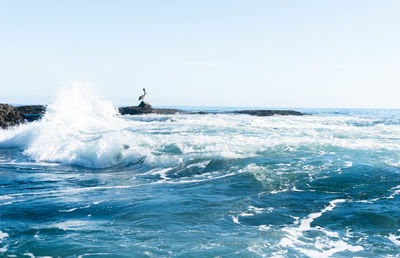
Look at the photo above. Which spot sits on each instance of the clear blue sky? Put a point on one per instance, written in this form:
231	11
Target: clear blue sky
342	53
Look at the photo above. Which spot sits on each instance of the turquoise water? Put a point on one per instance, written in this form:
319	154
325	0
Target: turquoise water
89	183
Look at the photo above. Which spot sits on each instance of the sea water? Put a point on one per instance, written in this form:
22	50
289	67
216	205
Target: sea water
87	182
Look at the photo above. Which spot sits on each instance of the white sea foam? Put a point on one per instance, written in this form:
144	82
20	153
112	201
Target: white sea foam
245	214
348	164
75	225
324	245
264	228
252	211
257	210
94	254
3	236
395	239
5	197
69	210
305	224
6	203
236	220
79	128
199	164
161	172
396	191
82	128
369	200
3	249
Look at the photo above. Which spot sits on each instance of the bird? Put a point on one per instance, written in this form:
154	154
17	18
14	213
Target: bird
144	95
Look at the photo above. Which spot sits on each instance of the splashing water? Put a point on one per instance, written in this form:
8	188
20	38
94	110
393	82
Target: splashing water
85	181
78	128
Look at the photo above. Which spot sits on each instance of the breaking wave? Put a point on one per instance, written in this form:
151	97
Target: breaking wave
319	185
81	128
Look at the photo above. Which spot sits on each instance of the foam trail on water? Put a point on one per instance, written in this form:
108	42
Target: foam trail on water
3	236
324	245
82	128
395	239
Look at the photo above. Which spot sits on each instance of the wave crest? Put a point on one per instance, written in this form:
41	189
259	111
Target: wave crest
79	128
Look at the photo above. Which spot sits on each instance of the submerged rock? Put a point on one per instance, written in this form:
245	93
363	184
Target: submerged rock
9	116
269	112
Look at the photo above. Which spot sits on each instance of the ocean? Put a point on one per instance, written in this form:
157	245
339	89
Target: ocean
86	182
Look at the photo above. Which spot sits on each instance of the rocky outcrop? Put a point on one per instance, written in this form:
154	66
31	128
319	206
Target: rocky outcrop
269	112
146	108
9	116
145	105
32	109
32	113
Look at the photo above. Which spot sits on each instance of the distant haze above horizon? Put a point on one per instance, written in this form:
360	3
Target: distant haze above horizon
294	54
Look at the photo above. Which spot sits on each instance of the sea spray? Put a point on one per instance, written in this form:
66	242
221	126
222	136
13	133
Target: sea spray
79	128
82	128
199	185
79	107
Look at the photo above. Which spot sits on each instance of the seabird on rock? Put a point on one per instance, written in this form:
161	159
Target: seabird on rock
144	95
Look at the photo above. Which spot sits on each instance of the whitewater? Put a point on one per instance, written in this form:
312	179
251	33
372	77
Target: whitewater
85	181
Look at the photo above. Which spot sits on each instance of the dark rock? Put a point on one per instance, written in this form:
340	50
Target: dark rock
32	117
166	111
32	110
32	113
146	108
269	112
145	105
134	110
9	116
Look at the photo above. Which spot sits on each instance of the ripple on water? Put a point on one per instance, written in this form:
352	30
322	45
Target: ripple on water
86	182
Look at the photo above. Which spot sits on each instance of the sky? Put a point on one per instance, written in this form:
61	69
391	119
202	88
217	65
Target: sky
253	53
